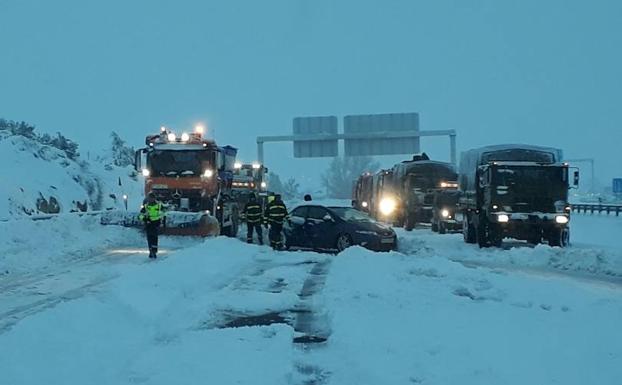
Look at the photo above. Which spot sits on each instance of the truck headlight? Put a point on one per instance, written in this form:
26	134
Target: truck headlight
503	218
264	185
208	173
561	219
365	204
146	172
237	165
387	206
445	213
172	137
185	137
256	166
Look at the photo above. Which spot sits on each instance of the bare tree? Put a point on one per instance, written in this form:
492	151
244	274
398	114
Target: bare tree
342	173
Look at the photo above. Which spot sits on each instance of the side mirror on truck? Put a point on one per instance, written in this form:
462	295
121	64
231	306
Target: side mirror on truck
576	178
138	160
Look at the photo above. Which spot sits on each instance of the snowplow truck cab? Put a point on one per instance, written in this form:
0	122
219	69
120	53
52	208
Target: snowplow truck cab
515	191
191	174
416	183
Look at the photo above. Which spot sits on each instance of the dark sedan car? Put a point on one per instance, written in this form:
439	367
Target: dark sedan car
336	228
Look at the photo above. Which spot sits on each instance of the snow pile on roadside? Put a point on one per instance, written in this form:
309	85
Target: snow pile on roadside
400	319
27	245
596	248
163	322
39	178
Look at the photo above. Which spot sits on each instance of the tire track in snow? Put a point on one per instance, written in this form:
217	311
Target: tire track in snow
29	294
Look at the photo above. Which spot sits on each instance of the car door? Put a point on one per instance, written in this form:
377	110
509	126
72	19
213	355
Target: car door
294	227
319	233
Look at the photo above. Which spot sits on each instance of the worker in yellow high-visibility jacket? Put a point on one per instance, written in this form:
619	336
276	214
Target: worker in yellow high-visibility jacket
152	213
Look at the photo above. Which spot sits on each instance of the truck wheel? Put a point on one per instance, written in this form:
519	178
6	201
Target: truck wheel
435	227
488	234
559	237
399	221
495	234
442	228
409	223
468	231
482	235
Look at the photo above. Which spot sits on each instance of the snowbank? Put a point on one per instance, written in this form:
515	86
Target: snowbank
161	322
406	320
27	245
596	248
38	178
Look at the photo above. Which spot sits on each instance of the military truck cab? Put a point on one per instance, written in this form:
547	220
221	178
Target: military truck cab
446	215
515	191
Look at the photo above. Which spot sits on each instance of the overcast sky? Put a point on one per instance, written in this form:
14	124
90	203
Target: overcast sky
532	71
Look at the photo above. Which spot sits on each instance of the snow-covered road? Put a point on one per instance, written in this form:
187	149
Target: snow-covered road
220	311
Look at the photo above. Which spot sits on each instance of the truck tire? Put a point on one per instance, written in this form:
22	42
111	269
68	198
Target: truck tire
468	231
559	237
435	227
409	223
488	234
442	228
482	235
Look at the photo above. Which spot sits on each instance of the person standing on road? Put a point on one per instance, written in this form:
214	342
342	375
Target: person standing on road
253	214
151	213
275	215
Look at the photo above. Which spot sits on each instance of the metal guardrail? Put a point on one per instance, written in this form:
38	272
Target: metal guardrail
596	208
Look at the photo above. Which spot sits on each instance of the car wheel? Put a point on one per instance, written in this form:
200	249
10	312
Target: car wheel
343	242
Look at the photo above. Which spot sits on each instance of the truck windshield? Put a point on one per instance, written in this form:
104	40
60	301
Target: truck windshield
430	178
245	173
530	189
447	198
178	163
529	176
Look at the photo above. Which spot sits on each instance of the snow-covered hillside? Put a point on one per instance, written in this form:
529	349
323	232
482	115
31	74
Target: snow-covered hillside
38	178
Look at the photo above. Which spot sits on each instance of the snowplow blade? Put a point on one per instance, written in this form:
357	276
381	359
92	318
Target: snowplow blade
175	223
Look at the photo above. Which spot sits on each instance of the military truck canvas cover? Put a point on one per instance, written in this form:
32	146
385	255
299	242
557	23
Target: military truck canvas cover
470	160
440	169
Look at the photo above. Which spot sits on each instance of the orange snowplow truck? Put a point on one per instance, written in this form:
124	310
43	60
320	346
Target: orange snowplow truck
191	174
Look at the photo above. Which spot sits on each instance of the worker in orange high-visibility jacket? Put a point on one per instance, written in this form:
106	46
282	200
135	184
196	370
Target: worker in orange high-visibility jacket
152	213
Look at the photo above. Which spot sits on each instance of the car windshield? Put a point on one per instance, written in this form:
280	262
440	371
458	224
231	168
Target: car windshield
349	214
178	163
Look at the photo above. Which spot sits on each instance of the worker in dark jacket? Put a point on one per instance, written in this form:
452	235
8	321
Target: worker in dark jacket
275	215
253	214
152	213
